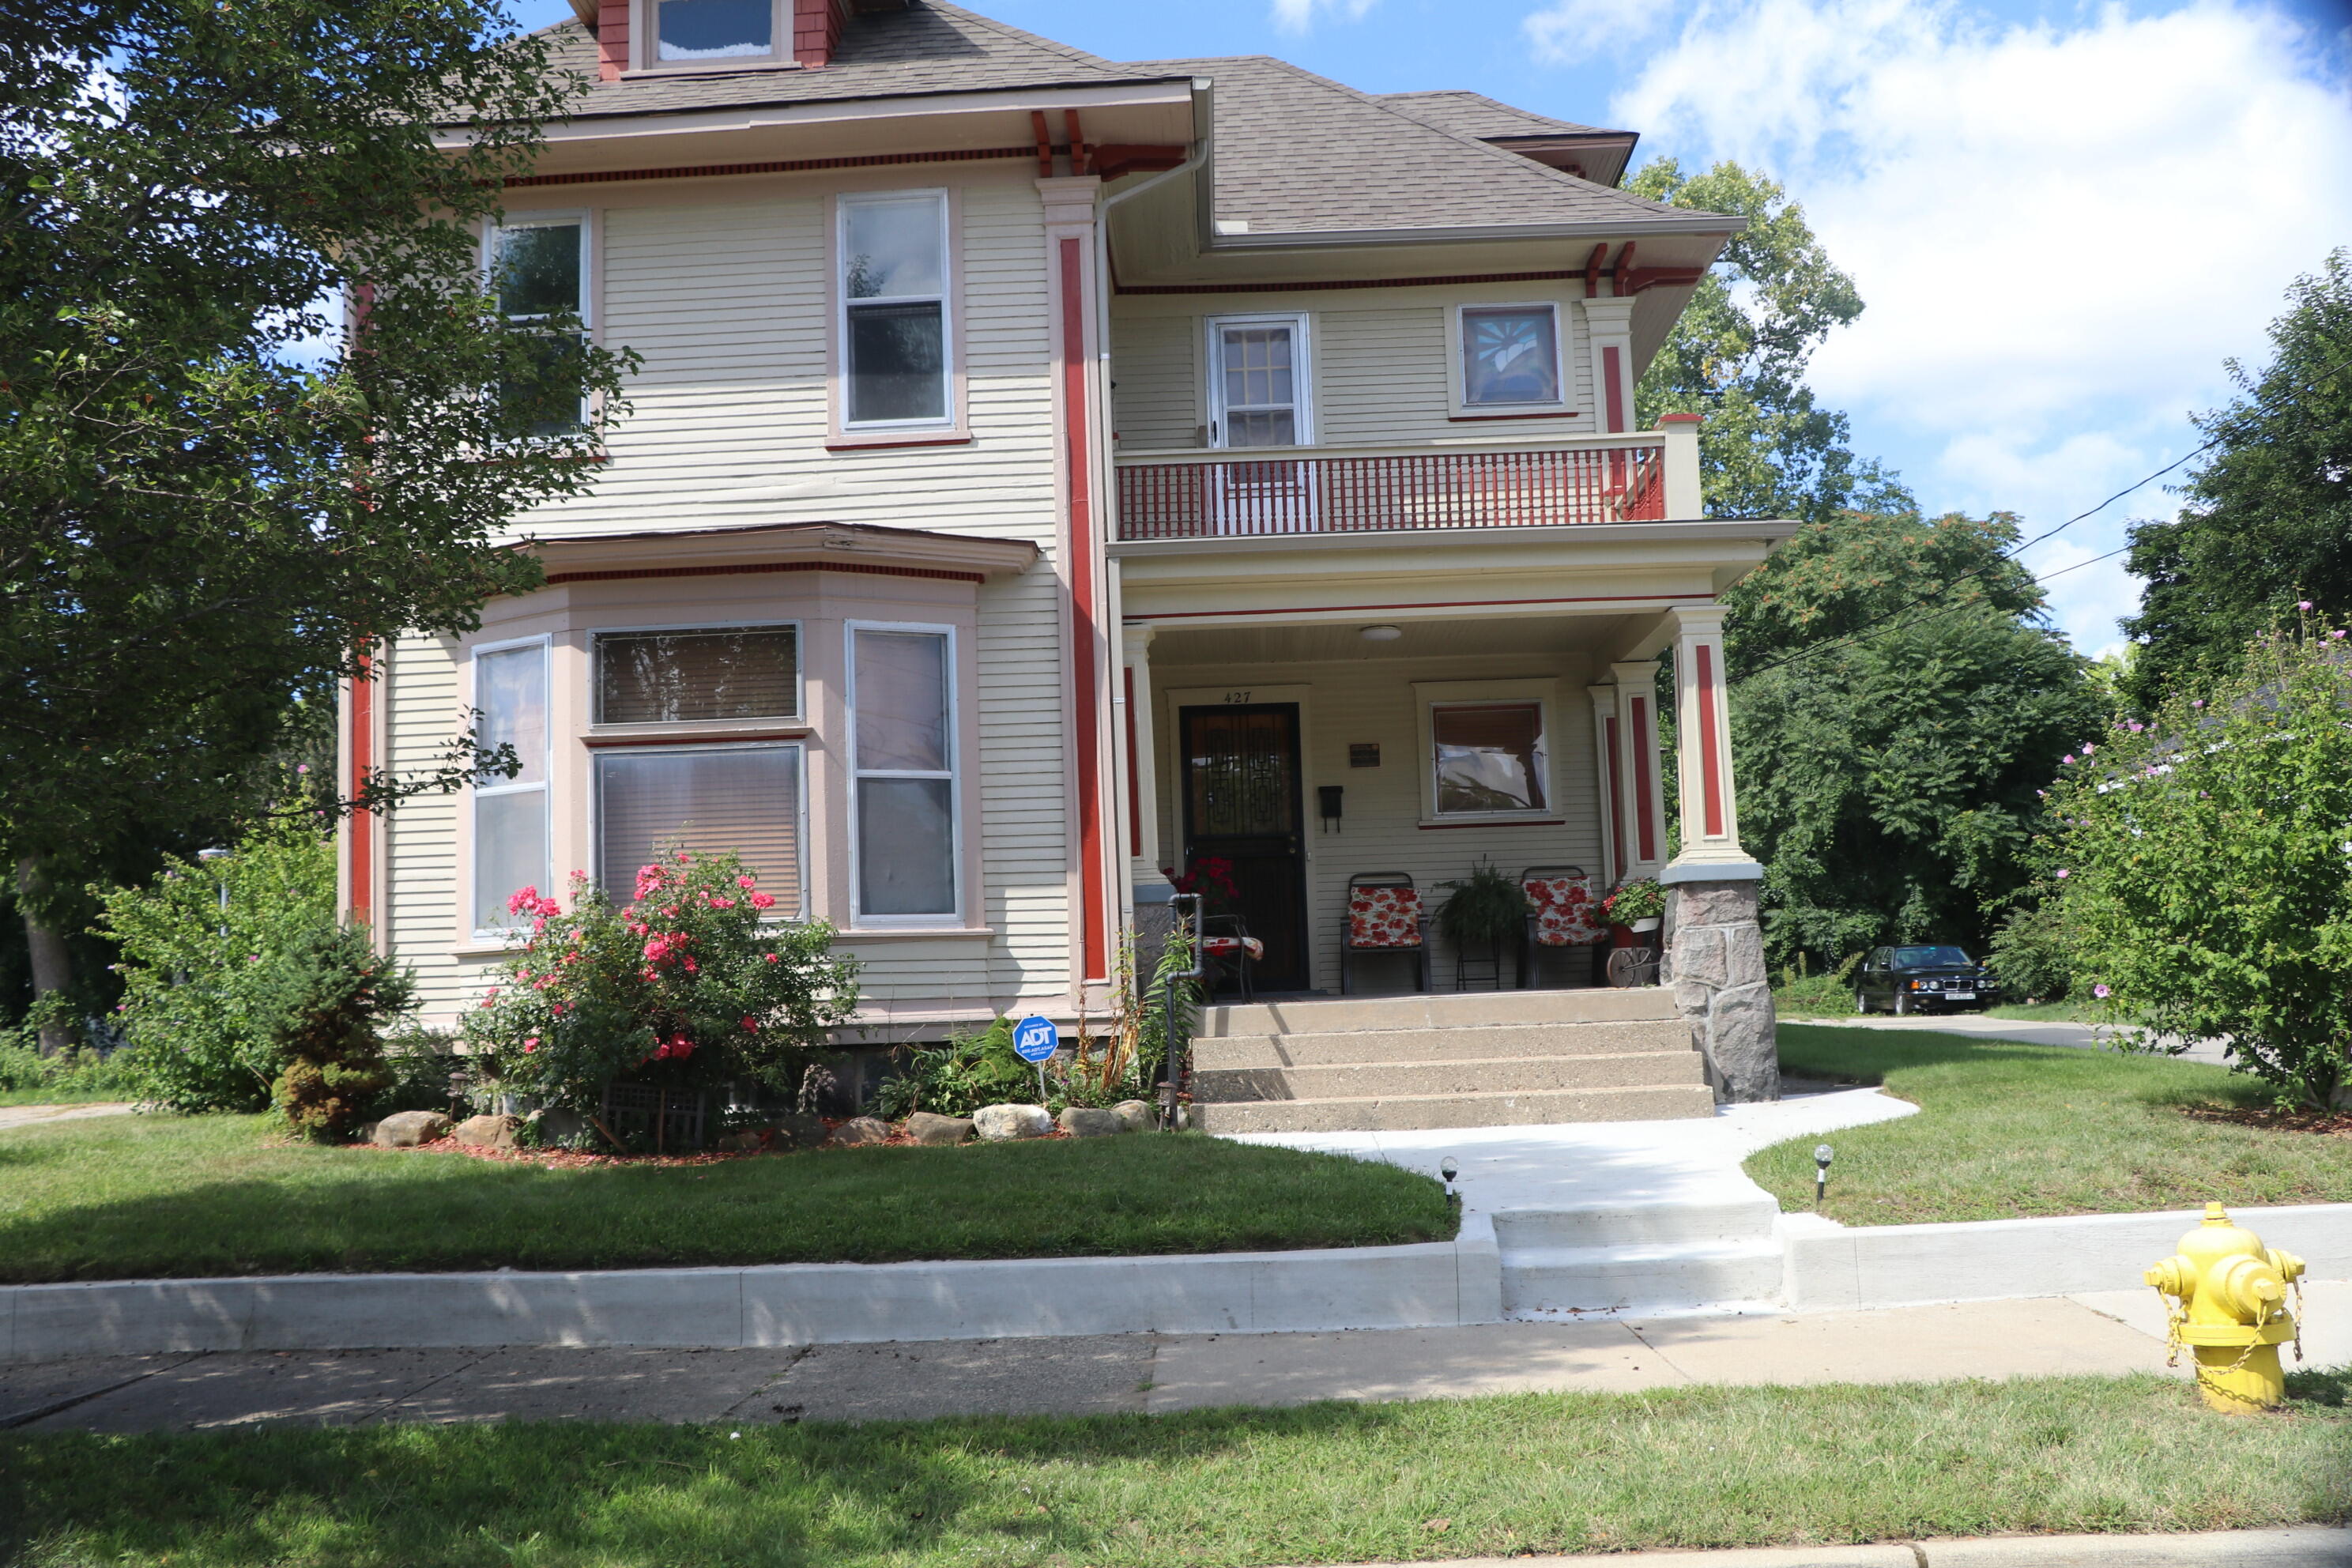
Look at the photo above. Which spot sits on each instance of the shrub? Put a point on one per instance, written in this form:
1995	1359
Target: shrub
1803	993
2206	863
329	994
200	997
76	1070
2030	953
685	986
975	1068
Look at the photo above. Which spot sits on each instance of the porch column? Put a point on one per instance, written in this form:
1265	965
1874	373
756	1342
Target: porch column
1641	786
1142	783
1609	327
1714	934
1606	749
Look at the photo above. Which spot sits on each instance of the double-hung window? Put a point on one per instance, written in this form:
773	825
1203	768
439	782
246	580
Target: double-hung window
687	33
539	274
1510	358
896	339
696	790
903	763
511	814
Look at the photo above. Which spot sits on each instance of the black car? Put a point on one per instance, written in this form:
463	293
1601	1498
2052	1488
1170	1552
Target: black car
1922	979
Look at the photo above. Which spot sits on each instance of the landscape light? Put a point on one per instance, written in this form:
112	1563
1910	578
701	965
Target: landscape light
1822	1155
1449	1168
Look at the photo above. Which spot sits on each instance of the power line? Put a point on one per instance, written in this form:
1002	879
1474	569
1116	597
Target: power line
1869	626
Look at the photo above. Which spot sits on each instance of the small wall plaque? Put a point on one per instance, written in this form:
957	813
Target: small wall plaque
1364	754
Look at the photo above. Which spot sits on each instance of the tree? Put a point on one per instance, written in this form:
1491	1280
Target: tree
1738	356
1888	783
213	498
2206	862
2266	519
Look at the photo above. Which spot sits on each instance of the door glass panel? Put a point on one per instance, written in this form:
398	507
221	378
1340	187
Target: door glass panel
1239	775
1258	388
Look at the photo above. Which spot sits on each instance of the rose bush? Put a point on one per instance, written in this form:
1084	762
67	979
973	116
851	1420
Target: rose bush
686	985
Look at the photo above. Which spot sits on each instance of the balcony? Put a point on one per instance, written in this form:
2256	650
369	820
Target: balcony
1639	476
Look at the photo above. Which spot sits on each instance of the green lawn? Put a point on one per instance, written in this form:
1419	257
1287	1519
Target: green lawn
1325	1483
2007	1129
133	1196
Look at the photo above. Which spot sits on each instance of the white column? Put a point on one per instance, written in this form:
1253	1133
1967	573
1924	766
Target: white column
1609	327
1641	782
1710	805
1606	749
1139	767
1683	502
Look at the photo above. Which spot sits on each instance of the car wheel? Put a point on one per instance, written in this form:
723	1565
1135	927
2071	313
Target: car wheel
1860	1003
1902	1004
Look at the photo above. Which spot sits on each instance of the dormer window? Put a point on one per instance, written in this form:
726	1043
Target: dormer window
687	33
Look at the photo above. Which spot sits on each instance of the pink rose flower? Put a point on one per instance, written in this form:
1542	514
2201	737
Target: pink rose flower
2303	604
772	958
763	901
2062	874
744	882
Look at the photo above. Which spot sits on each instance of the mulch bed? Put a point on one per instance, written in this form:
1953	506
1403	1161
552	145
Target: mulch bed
2326	1123
590	1159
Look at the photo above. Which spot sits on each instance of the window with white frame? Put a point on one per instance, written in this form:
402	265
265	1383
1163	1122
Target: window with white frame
715	32
895	330
539	274
1488	758
902	756
511	814
1510	356
720	796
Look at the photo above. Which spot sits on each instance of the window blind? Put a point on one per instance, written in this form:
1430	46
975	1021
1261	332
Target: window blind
746	799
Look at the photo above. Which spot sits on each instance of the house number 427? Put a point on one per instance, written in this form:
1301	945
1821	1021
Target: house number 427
1237	696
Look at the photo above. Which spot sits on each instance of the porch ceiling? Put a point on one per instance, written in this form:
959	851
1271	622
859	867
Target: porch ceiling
1327	642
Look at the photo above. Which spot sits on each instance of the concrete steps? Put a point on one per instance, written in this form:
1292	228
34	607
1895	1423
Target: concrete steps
1641	1258
1400	1063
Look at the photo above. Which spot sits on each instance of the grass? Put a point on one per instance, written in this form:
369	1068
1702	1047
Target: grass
1323	1483
2006	1130
57	1094
138	1196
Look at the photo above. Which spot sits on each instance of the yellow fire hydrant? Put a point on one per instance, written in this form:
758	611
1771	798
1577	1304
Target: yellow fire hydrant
2225	1297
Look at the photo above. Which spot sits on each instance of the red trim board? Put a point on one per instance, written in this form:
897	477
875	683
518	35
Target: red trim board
1645	745
1608	792
1094	946
1134	779
1710	764
359	832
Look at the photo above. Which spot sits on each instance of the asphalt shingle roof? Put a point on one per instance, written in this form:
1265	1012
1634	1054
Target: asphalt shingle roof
1476	114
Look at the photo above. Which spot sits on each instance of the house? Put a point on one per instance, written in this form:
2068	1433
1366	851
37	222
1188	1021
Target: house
1047	472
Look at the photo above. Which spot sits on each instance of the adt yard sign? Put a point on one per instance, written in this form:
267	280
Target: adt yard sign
1034	1038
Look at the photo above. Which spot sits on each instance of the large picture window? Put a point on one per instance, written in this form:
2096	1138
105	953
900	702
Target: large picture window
895	339
510	817
1510	357
539	274
903	747
1489	758
709	800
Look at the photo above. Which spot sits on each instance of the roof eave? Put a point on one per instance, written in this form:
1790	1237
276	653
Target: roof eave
1721	225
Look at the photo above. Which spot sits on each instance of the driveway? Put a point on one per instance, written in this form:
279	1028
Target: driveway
33	1115
1977	1026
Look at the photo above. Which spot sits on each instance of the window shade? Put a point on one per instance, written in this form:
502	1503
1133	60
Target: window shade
669	677
746	799
1489	758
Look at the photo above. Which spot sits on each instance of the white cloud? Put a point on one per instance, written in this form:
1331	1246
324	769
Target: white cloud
1299	15
2060	231
1567	31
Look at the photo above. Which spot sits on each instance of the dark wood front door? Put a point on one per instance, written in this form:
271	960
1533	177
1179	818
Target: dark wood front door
1242	804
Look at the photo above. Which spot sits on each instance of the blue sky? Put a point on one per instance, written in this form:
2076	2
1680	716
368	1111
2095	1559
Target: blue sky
2063	218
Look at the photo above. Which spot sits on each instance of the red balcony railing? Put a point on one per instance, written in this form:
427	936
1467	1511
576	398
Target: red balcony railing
1311	489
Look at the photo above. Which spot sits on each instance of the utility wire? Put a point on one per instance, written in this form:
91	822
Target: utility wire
1868	627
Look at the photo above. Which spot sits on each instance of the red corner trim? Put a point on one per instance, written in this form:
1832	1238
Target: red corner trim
1710	763
1094	946
1613	394
359	831
1609	794
1645	747
1134	781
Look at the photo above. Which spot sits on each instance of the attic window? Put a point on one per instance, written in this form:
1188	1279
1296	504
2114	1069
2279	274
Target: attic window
701	32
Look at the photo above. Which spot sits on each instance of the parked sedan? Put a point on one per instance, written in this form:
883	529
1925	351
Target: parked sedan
1922	979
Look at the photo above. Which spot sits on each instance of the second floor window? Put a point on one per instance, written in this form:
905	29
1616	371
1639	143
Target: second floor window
691	30
1510	355
894	328
539	275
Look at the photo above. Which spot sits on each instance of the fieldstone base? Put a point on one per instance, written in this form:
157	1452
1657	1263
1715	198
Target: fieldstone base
1717	948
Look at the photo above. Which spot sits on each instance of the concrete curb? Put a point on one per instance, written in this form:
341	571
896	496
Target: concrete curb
1839	1268
1427	1285
2313	1546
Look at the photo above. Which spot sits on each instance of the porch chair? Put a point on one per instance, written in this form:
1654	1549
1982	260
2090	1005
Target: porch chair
1561	913
1224	938
1383	916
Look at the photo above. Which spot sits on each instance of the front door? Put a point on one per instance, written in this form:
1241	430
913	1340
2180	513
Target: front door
1258	397
1242	804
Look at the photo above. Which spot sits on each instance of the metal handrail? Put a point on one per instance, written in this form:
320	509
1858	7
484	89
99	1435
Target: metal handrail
1176	1065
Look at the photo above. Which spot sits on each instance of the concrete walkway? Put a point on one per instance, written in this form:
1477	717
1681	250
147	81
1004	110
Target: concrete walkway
39	1115
2110	1333
1976	1026
2305	1546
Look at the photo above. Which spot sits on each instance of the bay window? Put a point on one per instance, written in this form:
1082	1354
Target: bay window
902	755
511	814
895	340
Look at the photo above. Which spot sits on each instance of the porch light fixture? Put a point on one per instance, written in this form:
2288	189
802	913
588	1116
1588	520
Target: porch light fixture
1382	634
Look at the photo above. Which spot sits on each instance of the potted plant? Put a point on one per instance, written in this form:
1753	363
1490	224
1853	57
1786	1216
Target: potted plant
1482	910
1633	909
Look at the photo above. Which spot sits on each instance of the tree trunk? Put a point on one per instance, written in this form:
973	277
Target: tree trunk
52	963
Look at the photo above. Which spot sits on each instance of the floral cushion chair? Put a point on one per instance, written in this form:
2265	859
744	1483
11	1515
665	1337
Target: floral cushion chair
1561	913
1232	945
1384	916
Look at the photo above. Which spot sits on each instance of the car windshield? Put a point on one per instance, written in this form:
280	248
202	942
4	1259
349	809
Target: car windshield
1928	957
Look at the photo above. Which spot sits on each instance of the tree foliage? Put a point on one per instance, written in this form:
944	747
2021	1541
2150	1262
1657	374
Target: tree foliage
1889	783
2266	520
2206	862
212	496
1738	354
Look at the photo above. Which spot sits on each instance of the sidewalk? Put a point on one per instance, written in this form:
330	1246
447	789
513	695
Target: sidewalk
1977	1026
2110	1332
2311	1546
32	1115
